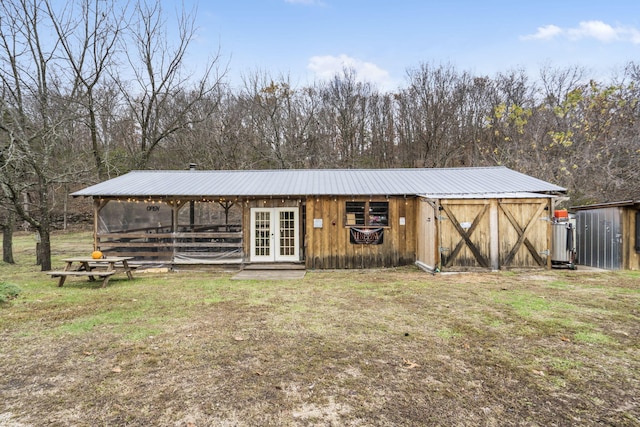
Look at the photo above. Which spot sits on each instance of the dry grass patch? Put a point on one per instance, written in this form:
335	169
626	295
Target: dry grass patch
338	348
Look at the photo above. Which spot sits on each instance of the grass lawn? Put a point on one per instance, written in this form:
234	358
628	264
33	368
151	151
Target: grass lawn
393	347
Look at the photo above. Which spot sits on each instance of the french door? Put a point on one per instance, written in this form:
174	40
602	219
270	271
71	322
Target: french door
274	234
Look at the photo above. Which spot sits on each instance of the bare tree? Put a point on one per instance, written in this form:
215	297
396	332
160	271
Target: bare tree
53	71
37	102
87	32
512	104
480	98
281	121
381	153
162	93
343	115
429	116
203	142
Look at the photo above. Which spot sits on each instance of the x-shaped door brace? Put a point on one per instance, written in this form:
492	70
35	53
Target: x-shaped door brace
522	236
466	237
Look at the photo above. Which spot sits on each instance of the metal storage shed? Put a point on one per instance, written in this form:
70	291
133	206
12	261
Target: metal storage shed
608	235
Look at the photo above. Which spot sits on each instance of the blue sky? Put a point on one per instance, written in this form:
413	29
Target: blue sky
313	39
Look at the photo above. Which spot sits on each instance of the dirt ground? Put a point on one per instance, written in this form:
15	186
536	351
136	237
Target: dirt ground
336	348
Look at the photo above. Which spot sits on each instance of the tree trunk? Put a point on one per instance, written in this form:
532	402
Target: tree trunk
7	239
44	229
44	248
95	145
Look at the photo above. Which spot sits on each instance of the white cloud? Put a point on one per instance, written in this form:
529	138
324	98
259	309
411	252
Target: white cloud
544	33
326	67
597	30
593	29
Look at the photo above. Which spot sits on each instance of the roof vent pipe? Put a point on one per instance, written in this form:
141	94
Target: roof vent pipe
192	166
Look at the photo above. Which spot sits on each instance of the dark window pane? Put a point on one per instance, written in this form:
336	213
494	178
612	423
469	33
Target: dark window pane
379	213
355	213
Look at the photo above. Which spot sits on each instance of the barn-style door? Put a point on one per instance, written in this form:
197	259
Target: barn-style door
464	237
494	233
524	224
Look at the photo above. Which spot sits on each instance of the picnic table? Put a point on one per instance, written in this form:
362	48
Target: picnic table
93	268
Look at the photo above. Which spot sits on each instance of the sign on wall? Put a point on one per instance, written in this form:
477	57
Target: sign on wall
361	236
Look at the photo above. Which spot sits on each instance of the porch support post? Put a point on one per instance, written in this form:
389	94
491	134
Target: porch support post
174	227
494	245
98	204
549	209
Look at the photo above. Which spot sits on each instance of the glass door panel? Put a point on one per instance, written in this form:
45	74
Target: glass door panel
274	234
262	234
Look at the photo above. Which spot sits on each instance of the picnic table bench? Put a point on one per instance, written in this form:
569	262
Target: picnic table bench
102	268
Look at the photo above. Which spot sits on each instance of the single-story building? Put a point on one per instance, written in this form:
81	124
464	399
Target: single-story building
449	219
608	235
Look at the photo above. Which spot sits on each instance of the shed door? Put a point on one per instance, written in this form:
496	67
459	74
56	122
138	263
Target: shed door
599	238
274	234
465	235
523	232
427	233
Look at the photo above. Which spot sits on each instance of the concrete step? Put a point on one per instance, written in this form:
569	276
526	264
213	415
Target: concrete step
275	266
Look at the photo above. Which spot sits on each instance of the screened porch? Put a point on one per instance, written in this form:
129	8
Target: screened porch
172	231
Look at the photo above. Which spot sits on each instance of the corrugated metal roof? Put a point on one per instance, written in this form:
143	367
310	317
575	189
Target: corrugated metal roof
335	182
486	196
620	204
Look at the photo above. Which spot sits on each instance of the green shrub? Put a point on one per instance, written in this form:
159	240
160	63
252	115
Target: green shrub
8	291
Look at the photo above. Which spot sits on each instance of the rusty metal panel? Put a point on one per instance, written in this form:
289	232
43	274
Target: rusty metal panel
599	238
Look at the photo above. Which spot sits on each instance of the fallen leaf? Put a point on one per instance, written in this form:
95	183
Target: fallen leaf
541	373
117	369
87	353
238	338
410	364
565	339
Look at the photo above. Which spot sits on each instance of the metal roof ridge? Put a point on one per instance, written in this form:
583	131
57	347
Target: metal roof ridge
316	170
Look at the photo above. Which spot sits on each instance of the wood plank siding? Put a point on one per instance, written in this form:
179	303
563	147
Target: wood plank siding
631	238
327	235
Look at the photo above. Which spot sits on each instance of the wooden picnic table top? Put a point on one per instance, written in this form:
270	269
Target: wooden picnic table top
93	267
110	259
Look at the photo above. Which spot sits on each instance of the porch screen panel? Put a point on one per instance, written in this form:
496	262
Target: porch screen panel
287	233
134	216
262	235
